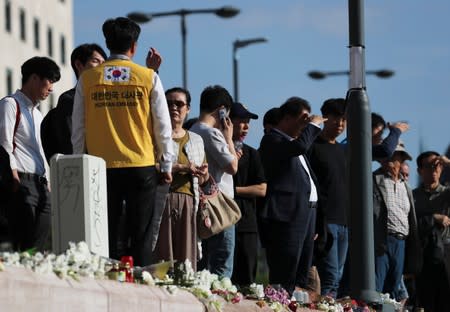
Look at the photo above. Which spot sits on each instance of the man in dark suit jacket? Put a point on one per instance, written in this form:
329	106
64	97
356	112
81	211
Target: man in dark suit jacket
287	218
57	124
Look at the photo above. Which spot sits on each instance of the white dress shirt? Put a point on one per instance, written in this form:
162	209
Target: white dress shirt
28	156
313	195
162	126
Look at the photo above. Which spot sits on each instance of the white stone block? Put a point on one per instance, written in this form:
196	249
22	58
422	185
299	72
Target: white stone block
79	202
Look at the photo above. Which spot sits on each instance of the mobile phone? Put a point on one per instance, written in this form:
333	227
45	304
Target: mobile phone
222	115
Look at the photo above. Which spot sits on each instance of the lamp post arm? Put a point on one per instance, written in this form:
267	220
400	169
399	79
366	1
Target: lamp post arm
221	12
237	44
337	73
224	12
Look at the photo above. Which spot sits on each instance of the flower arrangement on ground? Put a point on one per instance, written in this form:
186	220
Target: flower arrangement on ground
209	288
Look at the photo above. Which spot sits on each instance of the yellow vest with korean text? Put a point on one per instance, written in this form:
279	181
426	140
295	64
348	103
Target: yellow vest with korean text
118	114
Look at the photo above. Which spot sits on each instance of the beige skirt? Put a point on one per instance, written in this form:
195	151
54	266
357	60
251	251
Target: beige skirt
177	238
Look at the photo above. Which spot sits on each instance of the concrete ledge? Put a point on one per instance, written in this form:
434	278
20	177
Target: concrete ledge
24	290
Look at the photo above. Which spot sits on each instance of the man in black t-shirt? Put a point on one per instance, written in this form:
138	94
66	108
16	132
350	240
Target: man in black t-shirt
327	158
249	183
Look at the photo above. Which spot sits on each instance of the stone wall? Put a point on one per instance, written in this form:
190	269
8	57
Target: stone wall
24	290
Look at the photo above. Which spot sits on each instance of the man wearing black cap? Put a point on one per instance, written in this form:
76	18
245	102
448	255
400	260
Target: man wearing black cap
249	183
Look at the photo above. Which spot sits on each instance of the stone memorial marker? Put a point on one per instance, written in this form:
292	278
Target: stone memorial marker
79	202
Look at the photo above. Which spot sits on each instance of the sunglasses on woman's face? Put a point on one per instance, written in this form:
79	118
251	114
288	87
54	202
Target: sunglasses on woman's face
177	103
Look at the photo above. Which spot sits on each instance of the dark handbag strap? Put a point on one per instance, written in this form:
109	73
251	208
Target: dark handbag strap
16	125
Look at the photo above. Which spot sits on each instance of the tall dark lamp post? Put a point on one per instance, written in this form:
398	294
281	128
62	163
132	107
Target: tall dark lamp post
362	253
361	238
224	12
237	44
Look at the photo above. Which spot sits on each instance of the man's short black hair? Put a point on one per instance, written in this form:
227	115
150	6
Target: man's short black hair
189	123
181	90
43	67
294	106
424	155
271	117
213	97
83	53
334	107
120	34
377	120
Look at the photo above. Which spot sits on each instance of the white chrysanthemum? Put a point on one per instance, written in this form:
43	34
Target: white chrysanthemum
257	289
226	283
216	285
25	255
276	306
38	257
204	279
61	260
11	259
44	267
147	278
323	306
83	248
385	298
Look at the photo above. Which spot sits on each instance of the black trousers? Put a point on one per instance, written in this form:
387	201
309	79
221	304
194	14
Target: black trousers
245	258
29	214
433	283
289	250
133	189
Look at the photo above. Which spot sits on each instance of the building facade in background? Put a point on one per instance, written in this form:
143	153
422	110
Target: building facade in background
35	28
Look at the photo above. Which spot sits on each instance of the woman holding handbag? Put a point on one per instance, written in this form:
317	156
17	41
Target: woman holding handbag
177	238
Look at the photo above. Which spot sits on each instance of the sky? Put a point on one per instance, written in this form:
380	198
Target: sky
412	38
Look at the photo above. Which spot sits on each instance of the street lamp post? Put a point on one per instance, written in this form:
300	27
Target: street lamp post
224	12
362	273
237	44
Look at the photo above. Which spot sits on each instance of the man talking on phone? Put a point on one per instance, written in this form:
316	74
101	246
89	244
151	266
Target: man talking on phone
216	130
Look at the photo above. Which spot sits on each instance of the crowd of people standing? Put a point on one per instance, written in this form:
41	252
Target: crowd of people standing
292	190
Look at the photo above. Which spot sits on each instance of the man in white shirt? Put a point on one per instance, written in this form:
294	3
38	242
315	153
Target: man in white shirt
20	121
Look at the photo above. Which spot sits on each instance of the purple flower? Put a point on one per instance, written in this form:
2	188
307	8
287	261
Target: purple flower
281	295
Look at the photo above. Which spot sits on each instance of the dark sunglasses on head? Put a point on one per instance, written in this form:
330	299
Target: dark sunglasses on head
177	103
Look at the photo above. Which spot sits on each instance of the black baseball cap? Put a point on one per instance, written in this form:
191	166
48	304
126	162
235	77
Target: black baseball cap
240	111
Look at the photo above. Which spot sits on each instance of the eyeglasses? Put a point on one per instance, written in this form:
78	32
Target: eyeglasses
177	103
